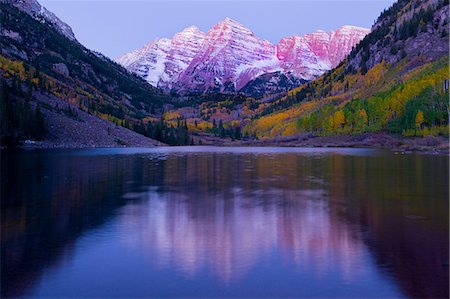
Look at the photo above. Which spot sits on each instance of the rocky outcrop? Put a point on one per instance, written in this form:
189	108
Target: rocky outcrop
61	68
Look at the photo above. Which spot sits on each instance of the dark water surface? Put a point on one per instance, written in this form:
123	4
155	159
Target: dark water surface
223	222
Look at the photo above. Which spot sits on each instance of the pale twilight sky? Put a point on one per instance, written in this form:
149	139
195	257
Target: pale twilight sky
118	26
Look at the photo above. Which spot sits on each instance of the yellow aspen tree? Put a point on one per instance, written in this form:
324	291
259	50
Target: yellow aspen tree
419	120
338	120
362	119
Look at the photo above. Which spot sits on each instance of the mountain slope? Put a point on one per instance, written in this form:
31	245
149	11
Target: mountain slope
311	55
163	59
395	80
37	11
271	83
230	55
147	62
38	58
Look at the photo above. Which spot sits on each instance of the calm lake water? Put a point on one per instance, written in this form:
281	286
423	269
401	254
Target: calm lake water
224	222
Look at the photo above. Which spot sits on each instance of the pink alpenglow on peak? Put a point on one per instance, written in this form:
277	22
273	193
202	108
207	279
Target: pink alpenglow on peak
230	55
161	61
311	55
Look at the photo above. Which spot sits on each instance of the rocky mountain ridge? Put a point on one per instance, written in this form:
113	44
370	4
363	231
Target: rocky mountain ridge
230	55
39	12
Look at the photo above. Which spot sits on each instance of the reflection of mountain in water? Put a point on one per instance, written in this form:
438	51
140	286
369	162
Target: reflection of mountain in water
232	235
227	211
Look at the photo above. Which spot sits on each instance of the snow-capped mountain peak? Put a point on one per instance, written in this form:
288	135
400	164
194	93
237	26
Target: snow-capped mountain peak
229	55
229	25
192	28
188	32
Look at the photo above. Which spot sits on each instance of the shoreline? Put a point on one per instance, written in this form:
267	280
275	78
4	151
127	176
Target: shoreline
395	143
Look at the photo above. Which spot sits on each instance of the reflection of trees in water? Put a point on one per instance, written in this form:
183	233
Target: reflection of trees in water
238	206
403	202
48	201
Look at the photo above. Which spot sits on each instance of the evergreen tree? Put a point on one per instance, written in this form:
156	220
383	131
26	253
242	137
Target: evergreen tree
26	120
221	129
39	126
237	132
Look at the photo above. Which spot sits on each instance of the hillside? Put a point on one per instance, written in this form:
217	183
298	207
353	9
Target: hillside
38	60
395	80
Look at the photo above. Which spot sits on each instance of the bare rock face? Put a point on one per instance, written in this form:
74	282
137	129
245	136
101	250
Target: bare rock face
161	61
311	55
149	61
342	41
61	68
185	46
296	55
230	55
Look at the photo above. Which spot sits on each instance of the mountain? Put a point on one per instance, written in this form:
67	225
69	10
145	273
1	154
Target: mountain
271	83
43	66
395	80
163	59
230	55
147	62
39	12
311	55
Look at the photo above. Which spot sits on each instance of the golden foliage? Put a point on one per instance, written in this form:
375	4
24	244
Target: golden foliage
13	67
419	120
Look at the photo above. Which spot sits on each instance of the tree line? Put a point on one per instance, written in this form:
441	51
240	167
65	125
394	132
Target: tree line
233	131
19	121
165	132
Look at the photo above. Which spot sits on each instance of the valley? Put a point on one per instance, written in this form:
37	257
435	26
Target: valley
262	159
228	86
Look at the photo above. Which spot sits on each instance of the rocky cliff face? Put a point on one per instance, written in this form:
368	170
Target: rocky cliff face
185	46
161	61
149	61
229	56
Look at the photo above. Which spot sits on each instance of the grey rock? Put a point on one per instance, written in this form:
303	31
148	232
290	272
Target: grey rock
61	68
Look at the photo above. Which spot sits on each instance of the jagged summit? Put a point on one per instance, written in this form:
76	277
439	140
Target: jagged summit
229	55
351	27
229	28
190	30
231	22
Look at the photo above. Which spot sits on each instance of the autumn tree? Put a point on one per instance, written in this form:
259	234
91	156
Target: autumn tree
338	120
361	119
419	120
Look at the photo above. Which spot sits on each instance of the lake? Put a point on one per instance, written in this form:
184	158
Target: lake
224	222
